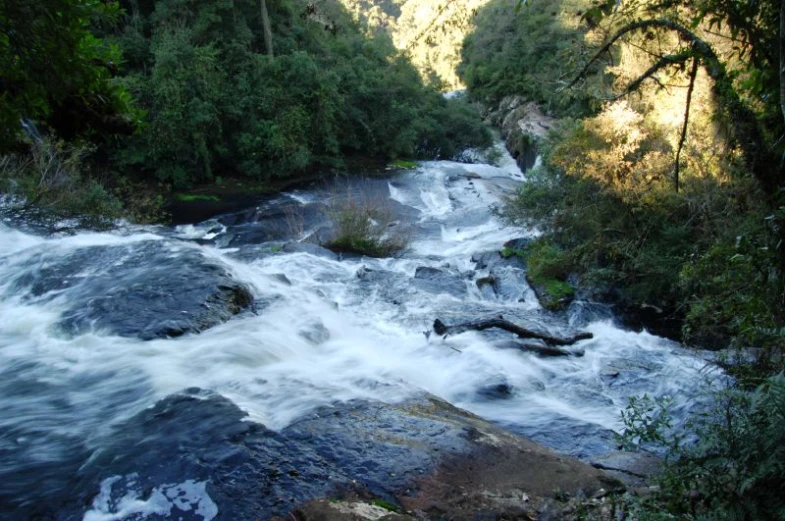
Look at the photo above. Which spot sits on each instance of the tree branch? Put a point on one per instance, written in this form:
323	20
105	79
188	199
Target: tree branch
440	328
745	125
693	74
665	61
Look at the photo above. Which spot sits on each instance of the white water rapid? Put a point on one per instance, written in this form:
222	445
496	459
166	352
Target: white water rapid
323	335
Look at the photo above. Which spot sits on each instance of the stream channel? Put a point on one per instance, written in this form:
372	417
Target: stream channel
125	349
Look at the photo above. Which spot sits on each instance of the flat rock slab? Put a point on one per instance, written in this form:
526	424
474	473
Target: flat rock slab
635	469
147	289
421	456
434	280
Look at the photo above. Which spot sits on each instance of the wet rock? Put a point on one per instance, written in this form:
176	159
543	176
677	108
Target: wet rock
565	435
310	248
501	391
485	285
283	279
150	289
519	244
555	295
509	283
486	259
523	124
634	469
390	286
315	333
493	259
343	510
609	372
434	280
366	274
273	220
423	455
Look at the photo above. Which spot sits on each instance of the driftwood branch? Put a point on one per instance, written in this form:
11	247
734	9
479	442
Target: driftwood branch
440	328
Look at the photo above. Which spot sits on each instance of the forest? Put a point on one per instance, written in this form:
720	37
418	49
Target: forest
142	97
661	192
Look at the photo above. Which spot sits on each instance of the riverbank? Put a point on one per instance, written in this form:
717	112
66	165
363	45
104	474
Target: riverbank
346	398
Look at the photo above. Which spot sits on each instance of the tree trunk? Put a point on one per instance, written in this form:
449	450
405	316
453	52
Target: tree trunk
440	328
782	58
268	33
693	74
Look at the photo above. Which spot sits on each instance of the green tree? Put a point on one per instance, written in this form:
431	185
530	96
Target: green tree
55	71
747	75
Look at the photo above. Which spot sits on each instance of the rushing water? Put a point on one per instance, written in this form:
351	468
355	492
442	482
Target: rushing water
325	334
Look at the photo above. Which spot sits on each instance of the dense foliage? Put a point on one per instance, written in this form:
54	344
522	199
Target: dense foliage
656	197
167	94
218	102
533	52
56	72
664	194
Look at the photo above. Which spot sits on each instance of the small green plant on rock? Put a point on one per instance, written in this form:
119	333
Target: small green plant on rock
54	176
367	226
547	271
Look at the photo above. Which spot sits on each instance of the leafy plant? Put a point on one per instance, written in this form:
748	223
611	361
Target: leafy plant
54	176
366	226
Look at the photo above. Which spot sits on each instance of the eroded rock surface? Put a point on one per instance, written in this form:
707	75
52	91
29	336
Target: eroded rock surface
423	456
150	289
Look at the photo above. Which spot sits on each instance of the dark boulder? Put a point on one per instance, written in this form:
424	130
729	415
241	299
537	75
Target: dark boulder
433	280
423	455
148	289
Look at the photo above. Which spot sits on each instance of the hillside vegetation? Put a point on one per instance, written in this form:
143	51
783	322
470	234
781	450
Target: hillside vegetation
661	192
177	92
429	33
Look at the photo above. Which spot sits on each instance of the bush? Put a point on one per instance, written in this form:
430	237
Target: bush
729	465
704	253
54	176
367	226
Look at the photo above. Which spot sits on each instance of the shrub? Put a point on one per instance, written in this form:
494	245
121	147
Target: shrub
366	226
730	463
54	176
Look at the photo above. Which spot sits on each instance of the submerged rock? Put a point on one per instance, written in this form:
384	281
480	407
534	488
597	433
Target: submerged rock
423	455
149	289
434	280
310	248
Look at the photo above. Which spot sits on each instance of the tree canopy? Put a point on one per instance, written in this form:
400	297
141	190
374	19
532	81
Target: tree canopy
55	70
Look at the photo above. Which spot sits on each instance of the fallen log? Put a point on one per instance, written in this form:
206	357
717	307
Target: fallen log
441	329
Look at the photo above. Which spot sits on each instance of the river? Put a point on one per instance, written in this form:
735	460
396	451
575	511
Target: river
322	330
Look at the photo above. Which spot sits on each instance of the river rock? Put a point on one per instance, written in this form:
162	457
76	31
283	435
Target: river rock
509	283
523	124
310	248
634	469
486	259
424	455
148	289
485	285
547	300
437	281
273	220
